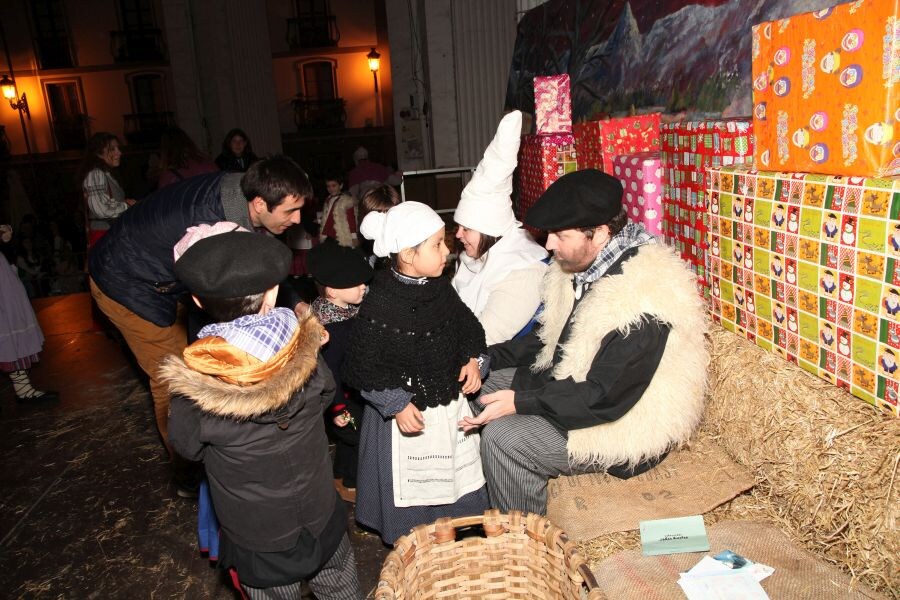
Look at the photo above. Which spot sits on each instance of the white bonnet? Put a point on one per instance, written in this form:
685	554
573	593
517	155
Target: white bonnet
403	226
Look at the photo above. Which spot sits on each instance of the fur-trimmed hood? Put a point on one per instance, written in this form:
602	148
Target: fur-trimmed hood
239	402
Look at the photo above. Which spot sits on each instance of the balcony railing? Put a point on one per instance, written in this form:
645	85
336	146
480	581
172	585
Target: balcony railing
147	128
319	114
137	45
312	31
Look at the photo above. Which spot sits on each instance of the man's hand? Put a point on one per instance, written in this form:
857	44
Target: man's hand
471	376
410	420
496	405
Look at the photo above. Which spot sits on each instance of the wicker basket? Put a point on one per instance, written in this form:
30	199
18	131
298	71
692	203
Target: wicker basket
519	556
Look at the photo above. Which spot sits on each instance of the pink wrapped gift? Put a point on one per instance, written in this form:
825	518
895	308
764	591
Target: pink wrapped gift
552	104
641	177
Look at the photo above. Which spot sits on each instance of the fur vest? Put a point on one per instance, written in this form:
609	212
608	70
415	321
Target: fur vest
654	282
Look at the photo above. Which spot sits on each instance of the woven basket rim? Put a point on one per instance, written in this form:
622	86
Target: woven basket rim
443	531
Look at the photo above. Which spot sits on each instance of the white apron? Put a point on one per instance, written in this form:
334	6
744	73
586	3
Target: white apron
439	465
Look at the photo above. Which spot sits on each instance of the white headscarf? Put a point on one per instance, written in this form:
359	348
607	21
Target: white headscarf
403	226
486	203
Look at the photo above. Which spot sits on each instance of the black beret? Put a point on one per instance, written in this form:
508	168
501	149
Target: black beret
337	266
233	265
585	198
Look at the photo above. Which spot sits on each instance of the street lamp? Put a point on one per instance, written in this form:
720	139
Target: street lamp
374	62
8	87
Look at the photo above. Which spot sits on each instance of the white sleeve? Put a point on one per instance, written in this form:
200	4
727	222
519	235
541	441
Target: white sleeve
512	303
101	204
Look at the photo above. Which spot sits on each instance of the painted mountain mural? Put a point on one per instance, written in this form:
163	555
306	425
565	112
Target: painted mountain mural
678	55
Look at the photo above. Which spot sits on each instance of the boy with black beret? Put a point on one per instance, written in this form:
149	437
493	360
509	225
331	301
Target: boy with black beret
248	401
341	275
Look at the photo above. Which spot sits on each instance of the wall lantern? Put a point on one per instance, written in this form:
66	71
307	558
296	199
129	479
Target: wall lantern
8	87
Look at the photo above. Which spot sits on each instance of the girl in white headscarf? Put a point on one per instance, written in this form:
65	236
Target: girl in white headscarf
414	352
500	266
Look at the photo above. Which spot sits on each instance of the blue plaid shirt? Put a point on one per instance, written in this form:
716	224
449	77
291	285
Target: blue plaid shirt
261	336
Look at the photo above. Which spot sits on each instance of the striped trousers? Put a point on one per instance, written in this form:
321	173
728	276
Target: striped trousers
337	580
519	454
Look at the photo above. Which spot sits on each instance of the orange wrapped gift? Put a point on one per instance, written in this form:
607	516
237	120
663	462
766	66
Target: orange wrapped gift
825	91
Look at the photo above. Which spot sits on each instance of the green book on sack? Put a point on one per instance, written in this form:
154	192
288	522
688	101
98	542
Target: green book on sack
672	536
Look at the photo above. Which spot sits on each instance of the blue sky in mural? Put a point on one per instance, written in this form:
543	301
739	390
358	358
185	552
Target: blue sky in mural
672	54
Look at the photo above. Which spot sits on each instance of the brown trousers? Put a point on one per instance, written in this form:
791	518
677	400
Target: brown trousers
149	343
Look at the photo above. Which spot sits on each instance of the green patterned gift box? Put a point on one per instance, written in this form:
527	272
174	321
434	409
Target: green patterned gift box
808	267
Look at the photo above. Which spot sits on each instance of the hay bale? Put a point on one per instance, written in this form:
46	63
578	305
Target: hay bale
828	461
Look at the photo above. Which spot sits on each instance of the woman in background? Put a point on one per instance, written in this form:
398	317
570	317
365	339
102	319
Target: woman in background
237	152
180	158
103	195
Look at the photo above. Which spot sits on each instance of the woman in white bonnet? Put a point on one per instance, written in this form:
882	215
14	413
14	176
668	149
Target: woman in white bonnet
500	268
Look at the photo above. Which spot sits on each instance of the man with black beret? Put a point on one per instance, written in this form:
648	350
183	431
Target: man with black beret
614	375
132	276
248	398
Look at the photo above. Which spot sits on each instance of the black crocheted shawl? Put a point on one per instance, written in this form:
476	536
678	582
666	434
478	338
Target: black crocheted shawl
412	336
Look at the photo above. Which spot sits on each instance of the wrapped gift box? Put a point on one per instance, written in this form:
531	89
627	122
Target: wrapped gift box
552	104
688	149
542	160
641	176
588	145
825	91
600	142
808	266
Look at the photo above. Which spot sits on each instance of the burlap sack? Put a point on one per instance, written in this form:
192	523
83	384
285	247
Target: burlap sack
798	574
688	482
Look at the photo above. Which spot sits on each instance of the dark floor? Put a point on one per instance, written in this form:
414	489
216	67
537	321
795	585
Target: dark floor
87	509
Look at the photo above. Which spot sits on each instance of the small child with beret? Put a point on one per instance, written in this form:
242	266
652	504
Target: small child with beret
248	401
341	276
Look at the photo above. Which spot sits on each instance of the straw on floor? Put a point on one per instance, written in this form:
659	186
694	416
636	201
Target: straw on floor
826	462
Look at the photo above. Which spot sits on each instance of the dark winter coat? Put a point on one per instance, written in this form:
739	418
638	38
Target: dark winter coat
264	445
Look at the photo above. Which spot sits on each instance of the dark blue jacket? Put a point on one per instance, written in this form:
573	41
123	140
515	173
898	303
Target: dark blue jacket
133	263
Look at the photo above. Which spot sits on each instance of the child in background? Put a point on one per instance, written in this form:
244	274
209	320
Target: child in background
339	213
415	349
341	275
379	199
248	401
